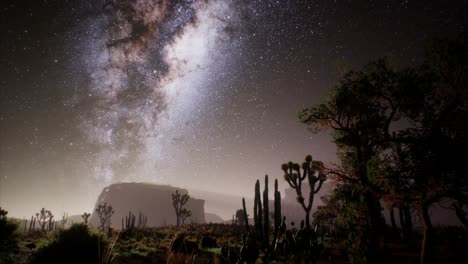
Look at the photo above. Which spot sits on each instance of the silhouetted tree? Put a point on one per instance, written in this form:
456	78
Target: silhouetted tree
313	172
104	213
184	214
178	202
365	113
240	217
85	217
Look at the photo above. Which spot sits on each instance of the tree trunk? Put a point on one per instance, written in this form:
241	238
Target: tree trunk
373	217
373	207
392	218
426	256
408	228
460	213
307	219
402	220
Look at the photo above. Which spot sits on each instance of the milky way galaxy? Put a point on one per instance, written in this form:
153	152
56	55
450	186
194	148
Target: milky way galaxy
148	69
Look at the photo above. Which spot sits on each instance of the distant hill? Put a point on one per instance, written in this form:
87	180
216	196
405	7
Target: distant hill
224	205
213	218
154	201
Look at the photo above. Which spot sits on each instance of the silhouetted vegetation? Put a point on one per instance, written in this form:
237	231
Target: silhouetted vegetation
85	217
133	223
78	244
8	238
104	213
178	202
401	136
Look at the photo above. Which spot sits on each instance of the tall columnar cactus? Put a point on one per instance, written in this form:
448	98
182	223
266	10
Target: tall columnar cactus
266	214
64	219
131	222
262	218
313	171
258	215
277	216
246	217
32	224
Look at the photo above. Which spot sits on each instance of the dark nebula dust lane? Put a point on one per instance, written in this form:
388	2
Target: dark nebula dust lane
201	94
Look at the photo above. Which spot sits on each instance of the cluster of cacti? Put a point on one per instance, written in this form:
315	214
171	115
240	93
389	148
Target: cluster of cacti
44	219
105	213
313	171
249	251
32	224
262	214
178	201
131	223
302	246
85	217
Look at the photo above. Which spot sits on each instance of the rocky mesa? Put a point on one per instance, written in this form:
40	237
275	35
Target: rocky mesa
154	201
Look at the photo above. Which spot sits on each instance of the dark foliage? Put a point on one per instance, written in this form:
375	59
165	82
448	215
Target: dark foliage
8	238
78	244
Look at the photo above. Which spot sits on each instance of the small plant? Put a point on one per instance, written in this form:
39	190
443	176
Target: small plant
105	213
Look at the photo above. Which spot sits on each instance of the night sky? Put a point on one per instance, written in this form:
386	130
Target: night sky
196	94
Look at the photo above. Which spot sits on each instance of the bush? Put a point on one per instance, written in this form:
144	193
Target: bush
78	244
8	240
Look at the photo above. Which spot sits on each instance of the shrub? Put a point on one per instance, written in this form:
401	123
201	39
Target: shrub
78	244
8	239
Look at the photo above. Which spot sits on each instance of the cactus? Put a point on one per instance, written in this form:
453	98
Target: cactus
85	217
266	215
277	215
313	171
45	219
32	224
262	215
246	217
64	219
131	223
142	220
258	216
